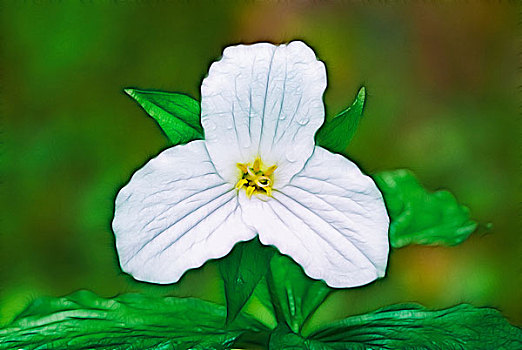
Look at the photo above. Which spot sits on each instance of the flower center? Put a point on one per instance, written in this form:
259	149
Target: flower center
254	178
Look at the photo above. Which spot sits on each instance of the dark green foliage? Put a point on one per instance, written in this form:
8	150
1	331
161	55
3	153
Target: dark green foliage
420	217
294	296
242	270
86	321
178	115
289	294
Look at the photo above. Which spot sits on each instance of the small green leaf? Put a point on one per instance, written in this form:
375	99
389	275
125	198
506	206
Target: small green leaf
178	115
414	327
85	321
242	270
421	217
336	134
295	296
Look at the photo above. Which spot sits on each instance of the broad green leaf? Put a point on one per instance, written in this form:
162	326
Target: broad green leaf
178	115
420	217
295	297
336	133
133	321
415	327
242	270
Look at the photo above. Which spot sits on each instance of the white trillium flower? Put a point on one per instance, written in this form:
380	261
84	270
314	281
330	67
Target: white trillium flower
258	172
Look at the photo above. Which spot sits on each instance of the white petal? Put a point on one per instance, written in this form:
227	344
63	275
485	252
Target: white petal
174	214
263	100
330	219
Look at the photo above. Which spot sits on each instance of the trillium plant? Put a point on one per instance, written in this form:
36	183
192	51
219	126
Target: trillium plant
255	179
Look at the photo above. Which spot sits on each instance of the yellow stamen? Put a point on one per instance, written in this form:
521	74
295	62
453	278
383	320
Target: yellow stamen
268	191
270	170
263	181
251	172
240	183
250	190
242	167
257	164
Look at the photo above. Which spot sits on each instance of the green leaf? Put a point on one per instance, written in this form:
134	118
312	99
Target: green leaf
178	115
336	134
242	270
414	327
420	217
295	296
133	321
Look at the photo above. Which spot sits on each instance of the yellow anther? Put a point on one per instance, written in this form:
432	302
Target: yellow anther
268	191
263	181
242	167
257	164
241	183
250	190
270	170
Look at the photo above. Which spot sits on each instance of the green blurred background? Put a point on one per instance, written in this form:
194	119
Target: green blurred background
441	79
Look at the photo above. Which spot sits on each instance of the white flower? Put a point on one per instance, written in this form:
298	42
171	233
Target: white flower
258	172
